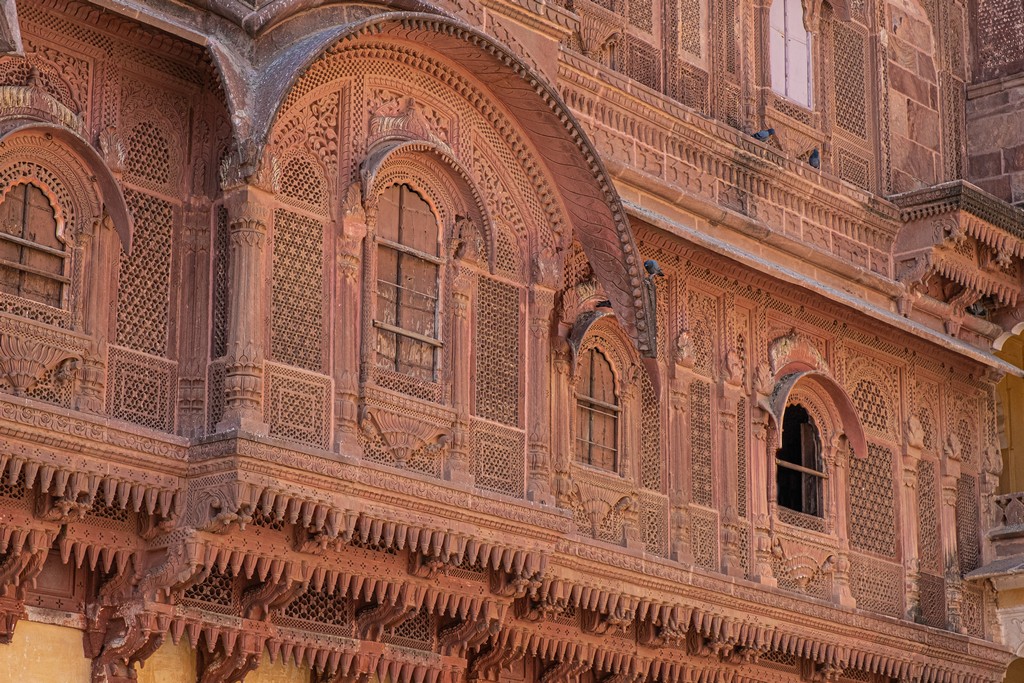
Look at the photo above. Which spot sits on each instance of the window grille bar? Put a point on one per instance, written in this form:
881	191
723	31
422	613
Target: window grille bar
407	333
799	468
33	245
35	271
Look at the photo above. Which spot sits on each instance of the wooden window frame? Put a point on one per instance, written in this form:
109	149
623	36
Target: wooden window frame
22	244
592	406
776	50
810	438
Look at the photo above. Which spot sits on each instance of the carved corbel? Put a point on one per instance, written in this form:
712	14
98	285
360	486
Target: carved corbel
488	665
259	601
514	586
567	671
18	571
372	622
221	667
467	636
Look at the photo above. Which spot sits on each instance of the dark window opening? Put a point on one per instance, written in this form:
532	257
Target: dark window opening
597	413
32	256
407	273
799	476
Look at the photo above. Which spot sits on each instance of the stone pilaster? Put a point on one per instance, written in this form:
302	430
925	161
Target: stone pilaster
193	313
248	220
913	443
458	465
538	484
347	328
947	516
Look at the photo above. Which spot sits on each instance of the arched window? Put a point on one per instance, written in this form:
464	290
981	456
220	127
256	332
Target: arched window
790	53
597	413
32	256
799	473
406	317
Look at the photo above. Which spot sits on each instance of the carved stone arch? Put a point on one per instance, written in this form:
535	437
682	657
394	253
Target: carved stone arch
840	412
298	177
599	329
868	387
506	89
71	160
432	170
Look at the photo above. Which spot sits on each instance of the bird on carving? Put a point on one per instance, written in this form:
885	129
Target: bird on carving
763	135
815	158
652	268
603	303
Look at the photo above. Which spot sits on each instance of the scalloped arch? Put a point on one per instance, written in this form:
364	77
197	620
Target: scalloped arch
583	186
844	408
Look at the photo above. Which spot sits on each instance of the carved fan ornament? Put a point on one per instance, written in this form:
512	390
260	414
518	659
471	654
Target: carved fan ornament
403	435
802	565
23	362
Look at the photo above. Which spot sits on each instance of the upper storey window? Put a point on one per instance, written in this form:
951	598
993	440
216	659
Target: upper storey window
597	413
799	472
407	283
32	255
790	45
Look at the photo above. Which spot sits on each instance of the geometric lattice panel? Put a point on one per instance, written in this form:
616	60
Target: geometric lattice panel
851	107
872	508
654	522
877	586
296	331
933	600
498	458
700	443
497	352
650	436
144	283
298	405
967	533
140	388
704	538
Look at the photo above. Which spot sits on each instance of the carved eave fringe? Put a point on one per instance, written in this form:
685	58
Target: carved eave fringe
967	275
384	529
753	635
65	483
331	655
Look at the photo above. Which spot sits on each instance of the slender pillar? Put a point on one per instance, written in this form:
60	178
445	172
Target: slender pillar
913	444
538	405
761	466
732	526
679	468
347	330
947	516
194	329
839	461
458	464
248	219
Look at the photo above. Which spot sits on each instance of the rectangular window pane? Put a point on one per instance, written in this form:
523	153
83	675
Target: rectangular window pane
387	289
417	295
387	349
777	16
794	17
387	214
797	76
415	358
419	226
777	45
582	434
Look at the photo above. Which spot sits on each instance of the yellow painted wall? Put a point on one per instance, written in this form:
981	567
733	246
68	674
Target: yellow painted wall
169	664
277	673
43	653
1011	396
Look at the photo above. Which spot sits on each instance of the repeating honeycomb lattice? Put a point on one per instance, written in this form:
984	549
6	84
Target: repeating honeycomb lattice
497	352
854	168
298	406
927	419
932	590
967	533
704	538
416	632
872	511
140	389
876	586
148	154
700	443
654	523
973	612
741	457
690	27
498	458
851	105
219	285
320	612
144	284
650	436
871	406
216	593
641	14
302	181
296	332
929	541
966	433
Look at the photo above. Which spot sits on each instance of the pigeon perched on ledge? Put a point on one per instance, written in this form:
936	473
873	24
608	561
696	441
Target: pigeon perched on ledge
652	268
763	135
815	159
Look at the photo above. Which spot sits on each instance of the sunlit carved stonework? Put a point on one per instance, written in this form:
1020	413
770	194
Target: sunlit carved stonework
452	342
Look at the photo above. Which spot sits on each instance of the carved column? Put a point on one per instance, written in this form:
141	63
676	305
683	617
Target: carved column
248	219
347	330
458	465
95	249
538	405
839	462
947	517
761	467
679	491
732	526
913	444
562	410
193	314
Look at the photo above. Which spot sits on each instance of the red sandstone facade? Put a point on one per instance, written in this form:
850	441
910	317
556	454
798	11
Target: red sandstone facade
326	334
